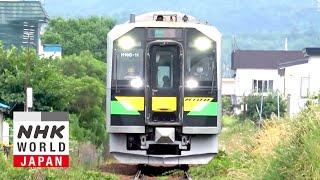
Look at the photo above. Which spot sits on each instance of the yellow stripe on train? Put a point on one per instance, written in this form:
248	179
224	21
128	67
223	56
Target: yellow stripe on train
164	104
131	102
194	103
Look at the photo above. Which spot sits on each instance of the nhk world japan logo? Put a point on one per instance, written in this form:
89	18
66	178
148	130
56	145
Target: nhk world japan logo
41	139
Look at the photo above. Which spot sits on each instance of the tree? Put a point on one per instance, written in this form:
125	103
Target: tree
76	35
227	104
82	65
270	106
74	84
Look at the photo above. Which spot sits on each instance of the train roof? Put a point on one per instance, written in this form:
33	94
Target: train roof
176	17
149	20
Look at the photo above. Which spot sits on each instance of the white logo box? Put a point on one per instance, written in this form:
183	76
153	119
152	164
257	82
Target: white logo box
49	146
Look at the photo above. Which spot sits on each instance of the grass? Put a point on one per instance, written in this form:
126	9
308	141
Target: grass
76	171
286	148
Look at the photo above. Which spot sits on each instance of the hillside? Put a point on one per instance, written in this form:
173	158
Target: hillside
260	25
234	16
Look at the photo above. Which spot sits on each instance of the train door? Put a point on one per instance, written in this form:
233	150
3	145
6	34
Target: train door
163	92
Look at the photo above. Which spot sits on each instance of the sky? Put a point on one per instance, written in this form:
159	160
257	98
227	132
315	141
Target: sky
228	15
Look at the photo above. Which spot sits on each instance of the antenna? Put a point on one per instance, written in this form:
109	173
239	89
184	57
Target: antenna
234	44
286	44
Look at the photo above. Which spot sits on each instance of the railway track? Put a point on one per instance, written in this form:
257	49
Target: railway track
144	172
142	169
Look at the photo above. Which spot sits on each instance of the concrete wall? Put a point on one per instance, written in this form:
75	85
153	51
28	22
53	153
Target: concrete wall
228	86
6	133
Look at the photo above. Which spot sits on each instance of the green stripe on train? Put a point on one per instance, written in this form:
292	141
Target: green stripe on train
211	109
118	108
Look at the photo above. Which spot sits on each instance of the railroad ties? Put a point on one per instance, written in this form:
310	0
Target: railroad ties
144	171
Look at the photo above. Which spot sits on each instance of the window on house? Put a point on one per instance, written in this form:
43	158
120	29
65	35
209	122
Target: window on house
265	86
270	85
262	85
259	86
255	86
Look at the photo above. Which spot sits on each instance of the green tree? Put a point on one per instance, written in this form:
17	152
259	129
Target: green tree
74	84
82	65
227	104
79	34
270	106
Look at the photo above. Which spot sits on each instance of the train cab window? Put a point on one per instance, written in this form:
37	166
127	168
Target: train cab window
128	57
129	65
200	59
164	63
200	66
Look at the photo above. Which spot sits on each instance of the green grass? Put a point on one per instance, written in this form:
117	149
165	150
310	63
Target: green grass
76	172
299	157
286	148
282	149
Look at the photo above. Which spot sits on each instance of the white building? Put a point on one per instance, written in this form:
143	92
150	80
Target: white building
50	51
228	86
301	79
4	126
294	74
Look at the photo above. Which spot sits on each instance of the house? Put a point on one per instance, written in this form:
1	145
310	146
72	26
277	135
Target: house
4	126
21	23
258	71
51	51
291	73
301	79
228	86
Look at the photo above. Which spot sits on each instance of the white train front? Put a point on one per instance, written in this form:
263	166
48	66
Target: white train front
163	90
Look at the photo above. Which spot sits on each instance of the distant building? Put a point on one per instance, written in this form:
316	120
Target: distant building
293	74
228	86
21	23
4	126
51	51
258	71
301	79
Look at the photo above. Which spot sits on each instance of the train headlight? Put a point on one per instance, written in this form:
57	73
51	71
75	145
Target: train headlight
191	83
200	70
202	43
126	43
136	83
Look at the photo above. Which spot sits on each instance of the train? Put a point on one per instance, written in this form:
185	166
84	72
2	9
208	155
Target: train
163	90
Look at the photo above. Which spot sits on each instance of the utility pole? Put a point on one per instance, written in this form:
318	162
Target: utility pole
286	44
261	105
278	102
28	37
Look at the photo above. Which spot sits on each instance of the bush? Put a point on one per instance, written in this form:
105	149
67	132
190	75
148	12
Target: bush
269	107
227	104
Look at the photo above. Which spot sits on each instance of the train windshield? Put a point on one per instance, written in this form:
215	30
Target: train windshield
128	57
200	59
129	64
164	61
